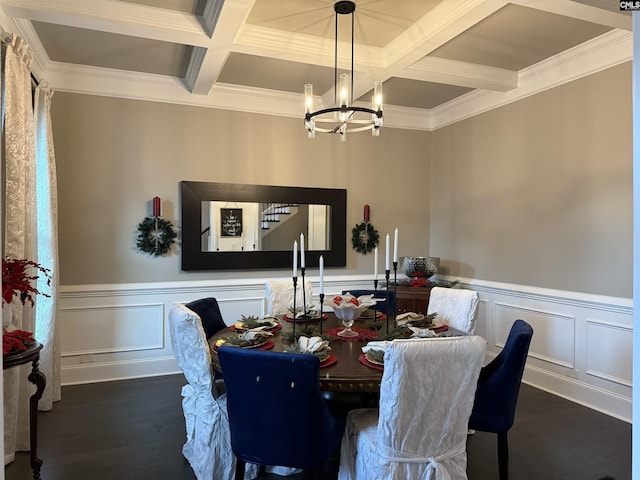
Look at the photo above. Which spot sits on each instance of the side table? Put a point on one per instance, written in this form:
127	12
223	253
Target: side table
31	354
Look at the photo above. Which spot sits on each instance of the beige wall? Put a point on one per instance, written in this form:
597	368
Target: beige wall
539	192
535	193
115	155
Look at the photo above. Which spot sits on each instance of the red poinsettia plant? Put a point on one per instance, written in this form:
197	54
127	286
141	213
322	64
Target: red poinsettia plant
17	278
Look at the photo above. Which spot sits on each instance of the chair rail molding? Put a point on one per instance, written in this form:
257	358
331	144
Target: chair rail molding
581	347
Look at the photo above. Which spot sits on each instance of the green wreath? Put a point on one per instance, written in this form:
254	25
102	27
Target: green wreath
156	236
364	237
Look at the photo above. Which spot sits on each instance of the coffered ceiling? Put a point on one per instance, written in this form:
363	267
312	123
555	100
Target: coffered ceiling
439	60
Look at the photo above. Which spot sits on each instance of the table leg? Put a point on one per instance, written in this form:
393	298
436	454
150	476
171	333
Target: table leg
38	379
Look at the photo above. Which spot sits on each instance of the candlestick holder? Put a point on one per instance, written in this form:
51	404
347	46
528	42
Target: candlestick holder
395	290
304	296
321	304
386	275
295	284
375	307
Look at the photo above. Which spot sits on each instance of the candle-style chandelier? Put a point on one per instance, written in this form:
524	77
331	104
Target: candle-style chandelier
343	117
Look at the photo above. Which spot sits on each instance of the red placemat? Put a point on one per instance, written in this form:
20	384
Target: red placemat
364	361
443	328
275	329
267	346
363	334
329	361
305	320
380	318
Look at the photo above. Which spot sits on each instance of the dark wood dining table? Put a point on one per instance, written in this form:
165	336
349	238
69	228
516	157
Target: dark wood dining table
347	374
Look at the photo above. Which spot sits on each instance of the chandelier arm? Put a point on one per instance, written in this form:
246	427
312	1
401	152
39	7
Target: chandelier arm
310	115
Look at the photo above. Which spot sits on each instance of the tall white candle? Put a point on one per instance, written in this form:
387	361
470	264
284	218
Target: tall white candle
395	246
302	265
386	258
295	259
321	274
375	263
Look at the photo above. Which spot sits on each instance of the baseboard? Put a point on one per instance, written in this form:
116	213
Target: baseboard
119	370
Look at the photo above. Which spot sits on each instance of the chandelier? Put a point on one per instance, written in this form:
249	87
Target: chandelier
343	117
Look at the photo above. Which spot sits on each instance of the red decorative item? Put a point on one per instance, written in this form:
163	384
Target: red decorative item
15	280
16	341
156	206
367	212
364	334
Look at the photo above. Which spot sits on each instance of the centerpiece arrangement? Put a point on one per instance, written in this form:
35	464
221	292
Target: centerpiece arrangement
348	308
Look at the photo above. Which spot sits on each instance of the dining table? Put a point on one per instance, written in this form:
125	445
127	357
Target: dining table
347	371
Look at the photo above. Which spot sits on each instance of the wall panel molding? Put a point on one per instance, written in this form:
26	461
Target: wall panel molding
581	348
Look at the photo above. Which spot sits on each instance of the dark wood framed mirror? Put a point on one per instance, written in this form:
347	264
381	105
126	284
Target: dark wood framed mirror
234	226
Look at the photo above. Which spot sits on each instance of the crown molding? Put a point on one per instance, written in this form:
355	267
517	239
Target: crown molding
606	51
598	54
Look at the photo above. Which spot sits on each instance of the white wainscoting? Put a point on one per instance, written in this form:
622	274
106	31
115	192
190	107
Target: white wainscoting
581	348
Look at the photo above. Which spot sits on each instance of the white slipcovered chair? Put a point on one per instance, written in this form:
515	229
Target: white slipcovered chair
204	402
420	428
279	295
457	307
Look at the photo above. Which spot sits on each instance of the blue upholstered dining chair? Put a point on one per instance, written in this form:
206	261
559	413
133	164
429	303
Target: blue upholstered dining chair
388	307
495	401
209	312
276	411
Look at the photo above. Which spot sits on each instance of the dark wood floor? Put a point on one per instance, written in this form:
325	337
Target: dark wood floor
134	429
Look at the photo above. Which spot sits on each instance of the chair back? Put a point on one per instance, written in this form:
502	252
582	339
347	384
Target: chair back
209	312
426	396
499	383
279	295
388	307
457	307
190	347
276	411
203	403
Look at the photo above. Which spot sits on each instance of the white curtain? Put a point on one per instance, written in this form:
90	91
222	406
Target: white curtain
47	207
29	197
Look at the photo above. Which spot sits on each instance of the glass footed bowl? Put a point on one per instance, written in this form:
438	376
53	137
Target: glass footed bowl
348	312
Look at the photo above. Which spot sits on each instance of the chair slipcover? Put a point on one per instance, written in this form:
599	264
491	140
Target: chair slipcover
420	429
205	412
279	295
388	307
456	307
276	410
494	407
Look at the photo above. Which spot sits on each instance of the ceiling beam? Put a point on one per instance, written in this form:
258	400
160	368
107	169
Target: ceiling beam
207	62
463	74
115	17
